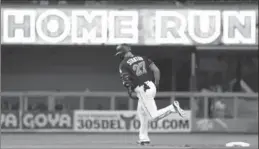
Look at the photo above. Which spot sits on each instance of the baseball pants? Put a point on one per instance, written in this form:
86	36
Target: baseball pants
147	109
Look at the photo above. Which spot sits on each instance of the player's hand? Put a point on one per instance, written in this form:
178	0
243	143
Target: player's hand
157	88
157	85
130	92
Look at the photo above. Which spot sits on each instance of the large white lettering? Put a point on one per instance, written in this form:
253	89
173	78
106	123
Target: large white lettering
188	27
170	27
123	27
49	26
204	26
239	27
89	27
19	26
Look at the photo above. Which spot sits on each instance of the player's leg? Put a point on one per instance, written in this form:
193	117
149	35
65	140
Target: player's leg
143	131
149	105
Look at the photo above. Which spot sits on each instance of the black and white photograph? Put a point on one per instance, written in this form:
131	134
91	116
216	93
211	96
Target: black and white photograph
129	74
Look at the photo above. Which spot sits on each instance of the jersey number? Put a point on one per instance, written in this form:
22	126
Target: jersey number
140	68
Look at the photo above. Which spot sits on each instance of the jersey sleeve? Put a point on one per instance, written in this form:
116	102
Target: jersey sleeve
125	76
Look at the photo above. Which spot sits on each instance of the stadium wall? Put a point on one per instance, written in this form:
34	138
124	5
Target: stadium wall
81	121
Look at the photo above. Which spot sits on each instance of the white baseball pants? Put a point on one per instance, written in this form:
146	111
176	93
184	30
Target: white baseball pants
147	109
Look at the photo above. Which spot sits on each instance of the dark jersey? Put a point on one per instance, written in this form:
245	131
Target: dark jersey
135	71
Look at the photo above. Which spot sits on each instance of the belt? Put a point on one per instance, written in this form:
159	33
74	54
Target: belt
144	85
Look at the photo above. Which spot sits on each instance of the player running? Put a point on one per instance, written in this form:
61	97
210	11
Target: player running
136	73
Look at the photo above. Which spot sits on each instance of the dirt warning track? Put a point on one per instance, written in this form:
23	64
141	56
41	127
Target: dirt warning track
122	141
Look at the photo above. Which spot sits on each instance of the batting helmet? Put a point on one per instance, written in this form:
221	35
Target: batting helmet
122	49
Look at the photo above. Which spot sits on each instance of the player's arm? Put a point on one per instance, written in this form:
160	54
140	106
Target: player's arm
125	77
155	71
126	80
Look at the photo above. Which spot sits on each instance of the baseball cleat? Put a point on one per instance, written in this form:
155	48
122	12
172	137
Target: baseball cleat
143	142
178	109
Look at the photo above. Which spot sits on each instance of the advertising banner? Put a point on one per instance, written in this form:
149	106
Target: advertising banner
10	120
238	125
47	120
142	27
127	121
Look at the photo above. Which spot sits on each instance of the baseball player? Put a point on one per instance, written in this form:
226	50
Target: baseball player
137	74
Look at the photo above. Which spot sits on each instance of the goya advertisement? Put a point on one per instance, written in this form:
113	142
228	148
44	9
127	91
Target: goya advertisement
10	120
36	121
71	26
47	120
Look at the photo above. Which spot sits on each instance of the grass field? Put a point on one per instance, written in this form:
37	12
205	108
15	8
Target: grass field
121	141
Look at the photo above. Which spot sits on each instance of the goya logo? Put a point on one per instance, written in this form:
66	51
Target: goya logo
47	120
9	120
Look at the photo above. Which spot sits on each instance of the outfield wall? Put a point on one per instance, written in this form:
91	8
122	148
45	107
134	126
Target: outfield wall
82	121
